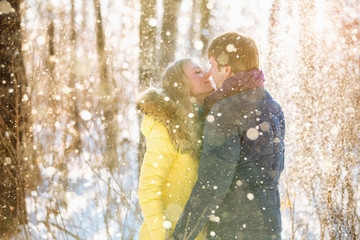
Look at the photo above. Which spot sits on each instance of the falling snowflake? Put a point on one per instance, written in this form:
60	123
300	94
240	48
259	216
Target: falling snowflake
252	133
167	224
152	22
250	196
231	48
210	118
85	115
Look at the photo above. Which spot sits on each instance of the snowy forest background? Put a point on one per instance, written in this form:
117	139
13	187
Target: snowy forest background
70	70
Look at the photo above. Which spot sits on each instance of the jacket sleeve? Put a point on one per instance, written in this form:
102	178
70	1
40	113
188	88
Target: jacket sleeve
216	170
155	167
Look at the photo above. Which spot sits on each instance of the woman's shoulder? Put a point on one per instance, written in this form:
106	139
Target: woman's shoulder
149	124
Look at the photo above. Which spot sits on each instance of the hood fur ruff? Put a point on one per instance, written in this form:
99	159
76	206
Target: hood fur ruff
154	102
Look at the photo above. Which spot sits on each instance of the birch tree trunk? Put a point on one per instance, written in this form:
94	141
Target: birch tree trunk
147	35
193	29
74	118
168	33
13	120
272	62
204	27
106	95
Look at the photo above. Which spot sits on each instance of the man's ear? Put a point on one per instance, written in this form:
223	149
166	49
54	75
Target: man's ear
228	71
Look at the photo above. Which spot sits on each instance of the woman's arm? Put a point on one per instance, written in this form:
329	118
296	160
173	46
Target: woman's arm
158	158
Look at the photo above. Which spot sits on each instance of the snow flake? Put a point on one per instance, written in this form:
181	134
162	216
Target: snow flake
167	224
212	234
265	126
239	183
210	118
49	171
25	98
85	115
166	98
257	112
191	115
57	124
250	196
198	45
252	133
40	40
210	5
66	90
153	22
231	48
214	218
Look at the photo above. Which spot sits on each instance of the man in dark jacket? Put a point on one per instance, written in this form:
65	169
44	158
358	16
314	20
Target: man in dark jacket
236	194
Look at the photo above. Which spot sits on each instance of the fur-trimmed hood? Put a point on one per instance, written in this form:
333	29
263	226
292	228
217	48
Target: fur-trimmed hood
182	129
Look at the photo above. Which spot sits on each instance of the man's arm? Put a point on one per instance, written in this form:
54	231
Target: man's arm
216	170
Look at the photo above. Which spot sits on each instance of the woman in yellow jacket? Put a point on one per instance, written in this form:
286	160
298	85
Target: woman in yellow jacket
172	132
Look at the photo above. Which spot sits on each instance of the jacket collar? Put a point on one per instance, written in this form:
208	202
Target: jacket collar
240	82
181	129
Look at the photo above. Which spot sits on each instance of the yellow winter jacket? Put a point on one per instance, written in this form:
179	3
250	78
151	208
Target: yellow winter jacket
167	175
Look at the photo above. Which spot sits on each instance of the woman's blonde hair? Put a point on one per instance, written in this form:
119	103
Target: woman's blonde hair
176	84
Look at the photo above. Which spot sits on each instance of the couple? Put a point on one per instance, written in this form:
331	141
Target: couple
213	158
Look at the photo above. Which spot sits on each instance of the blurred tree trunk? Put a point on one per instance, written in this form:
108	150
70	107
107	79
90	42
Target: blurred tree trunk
13	120
307	76
147	34
74	119
50	63
106	95
168	33
204	27
193	30
343	215
308	97
272	62
147	59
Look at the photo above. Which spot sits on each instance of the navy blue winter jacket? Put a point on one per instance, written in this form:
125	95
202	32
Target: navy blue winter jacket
236	194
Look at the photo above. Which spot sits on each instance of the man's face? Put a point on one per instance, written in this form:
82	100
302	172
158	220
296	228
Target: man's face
219	76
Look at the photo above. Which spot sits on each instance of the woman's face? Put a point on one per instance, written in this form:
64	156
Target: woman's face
200	85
